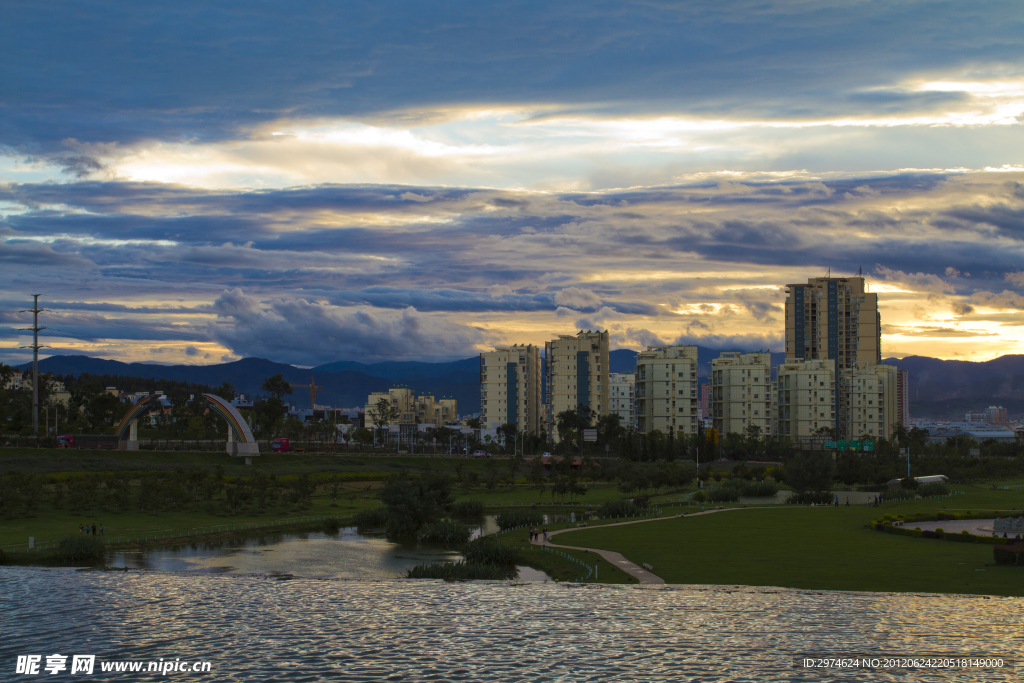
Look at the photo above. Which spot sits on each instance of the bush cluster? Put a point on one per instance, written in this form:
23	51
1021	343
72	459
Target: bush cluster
468	508
463	571
934	489
446	532
80	549
374	518
808	497
1009	554
489	550
617	508
518	518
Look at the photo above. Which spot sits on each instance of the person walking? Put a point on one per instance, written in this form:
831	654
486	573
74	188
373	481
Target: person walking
103	528
545	534
80	530
847	501
94	528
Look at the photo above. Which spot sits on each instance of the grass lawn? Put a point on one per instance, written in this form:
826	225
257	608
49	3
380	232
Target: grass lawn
556	563
812	548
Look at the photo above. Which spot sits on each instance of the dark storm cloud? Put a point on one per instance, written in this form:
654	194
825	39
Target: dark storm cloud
124	72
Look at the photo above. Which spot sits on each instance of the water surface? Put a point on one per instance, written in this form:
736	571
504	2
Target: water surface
255	629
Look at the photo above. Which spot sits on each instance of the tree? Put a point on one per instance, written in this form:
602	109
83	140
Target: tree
383	414
226	391
412	503
809	471
276	386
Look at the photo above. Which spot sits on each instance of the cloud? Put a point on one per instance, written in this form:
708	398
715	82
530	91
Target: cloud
952	272
191	350
1016	278
299	331
575	297
960	308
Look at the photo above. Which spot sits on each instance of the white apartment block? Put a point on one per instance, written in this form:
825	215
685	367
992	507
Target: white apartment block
510	388
870	397
806	393
412	409
577	374
620	399
741	392
666	390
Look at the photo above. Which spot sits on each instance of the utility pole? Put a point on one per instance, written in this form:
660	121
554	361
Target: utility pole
35	311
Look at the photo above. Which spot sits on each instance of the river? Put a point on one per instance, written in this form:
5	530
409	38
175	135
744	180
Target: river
268	629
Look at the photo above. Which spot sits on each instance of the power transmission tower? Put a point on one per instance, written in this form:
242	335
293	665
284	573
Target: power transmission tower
35	311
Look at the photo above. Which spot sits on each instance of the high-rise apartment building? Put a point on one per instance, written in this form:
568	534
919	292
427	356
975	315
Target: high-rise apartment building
834	318
741	386
666	390
903	398
869	394
806	397
704	412
577	374
620	400
510	384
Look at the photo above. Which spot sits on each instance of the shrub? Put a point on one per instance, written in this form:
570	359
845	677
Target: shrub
489	550
909	483
935	489
617	508
808	497
468	508
463	571
723	494
929	534
445	532
1009	554
80	549
896	494
699	496
511	520
331	526
374	518
761	489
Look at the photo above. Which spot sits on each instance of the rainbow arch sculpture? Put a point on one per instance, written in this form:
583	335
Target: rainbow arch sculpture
241	442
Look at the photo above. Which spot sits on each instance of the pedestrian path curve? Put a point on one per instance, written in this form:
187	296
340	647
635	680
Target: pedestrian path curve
617	559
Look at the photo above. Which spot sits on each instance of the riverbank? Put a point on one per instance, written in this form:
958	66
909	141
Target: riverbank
820	548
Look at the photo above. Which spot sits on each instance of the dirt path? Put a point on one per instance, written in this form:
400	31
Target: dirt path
643	575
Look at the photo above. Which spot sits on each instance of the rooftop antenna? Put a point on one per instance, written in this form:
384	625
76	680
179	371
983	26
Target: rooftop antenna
859	270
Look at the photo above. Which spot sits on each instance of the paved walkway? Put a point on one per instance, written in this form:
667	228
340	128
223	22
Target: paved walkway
617	559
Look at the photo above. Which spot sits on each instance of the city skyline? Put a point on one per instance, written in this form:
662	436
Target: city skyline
388	183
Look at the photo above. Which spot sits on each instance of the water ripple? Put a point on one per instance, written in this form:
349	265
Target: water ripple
263	629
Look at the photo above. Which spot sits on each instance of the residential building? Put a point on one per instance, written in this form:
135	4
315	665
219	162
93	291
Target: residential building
412	410
741	392
833	318
577	374
805	397
704	411
903	398
666	390
869	395
510	388
997	415
620	397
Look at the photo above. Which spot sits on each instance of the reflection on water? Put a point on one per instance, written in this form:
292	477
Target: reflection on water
258	629
345	555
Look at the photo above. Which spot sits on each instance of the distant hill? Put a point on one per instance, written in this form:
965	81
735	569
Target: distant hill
346	388
946	389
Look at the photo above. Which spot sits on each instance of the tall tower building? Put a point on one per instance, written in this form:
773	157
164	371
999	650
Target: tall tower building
577	374
903	398
666	390
510	388
833	318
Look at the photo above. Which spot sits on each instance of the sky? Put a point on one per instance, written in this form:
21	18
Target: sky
198	182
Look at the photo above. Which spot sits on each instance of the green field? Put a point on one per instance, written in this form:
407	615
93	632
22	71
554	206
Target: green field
820	548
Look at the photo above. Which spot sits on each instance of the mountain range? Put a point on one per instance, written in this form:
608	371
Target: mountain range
939	388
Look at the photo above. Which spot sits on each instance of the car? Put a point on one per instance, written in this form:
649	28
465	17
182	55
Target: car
481	454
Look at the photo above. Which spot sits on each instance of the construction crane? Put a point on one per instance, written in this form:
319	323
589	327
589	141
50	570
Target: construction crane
312	386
